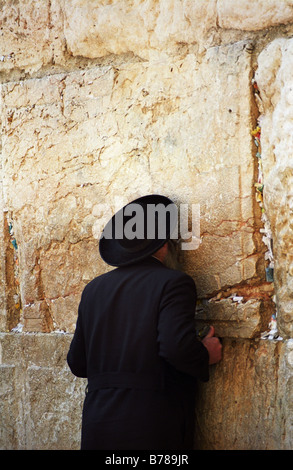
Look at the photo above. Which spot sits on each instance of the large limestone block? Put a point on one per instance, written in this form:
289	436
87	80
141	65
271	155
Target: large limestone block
154	29
250	15
54	33
149	29
41	401
235	317
74	144
49	183
8	408
30	34
274	78
247	404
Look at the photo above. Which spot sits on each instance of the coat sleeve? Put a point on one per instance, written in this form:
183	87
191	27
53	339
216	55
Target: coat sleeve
178	343
76	357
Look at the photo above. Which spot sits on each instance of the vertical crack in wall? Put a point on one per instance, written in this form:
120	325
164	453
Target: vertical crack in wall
13	298
265	230
46	316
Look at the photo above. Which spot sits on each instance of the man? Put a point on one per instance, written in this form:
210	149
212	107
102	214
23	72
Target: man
135	338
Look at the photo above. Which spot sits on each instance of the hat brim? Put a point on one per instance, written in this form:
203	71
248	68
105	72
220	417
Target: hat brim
114	253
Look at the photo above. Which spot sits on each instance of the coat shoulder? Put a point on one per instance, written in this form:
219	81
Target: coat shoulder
149	271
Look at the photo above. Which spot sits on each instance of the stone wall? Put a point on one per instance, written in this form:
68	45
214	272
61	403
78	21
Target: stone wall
105	101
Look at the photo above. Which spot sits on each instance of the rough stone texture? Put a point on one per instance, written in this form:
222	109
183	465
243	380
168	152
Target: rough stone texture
155	28
102	102
91	137
52	33
30	34
274	78
253	386
250	15
147	29
41	401
236	319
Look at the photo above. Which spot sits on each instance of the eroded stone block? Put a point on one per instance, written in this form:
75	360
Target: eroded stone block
244	405
234	318
274	78
8	408
31	34
41	399
149	30
74	142
249	16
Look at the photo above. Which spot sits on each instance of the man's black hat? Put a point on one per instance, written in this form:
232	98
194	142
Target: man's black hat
138	230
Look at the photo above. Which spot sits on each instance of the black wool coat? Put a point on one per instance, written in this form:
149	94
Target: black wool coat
135	342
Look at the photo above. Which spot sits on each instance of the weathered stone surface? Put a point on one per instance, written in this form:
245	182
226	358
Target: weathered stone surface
247	404
235	318
30	34
41	400
274	78
73	142
155	29
252	16
147	29
34	36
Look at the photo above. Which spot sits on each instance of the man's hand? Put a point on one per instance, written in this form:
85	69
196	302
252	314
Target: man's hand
213	346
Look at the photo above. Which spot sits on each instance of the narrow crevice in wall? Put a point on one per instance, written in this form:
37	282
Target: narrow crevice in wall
41	319
265	229
256	189
13	298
